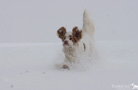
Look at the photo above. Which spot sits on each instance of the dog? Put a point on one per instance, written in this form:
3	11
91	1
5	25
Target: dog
77	42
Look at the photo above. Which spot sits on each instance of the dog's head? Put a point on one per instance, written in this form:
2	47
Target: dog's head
69	38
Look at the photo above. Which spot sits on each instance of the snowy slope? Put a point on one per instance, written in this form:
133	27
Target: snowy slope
34	67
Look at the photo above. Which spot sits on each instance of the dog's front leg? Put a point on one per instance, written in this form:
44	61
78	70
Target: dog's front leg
69	60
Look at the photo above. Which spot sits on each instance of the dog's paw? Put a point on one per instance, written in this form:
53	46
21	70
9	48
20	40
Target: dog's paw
65	66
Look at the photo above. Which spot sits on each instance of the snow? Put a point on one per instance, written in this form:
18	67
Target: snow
31	53
33	66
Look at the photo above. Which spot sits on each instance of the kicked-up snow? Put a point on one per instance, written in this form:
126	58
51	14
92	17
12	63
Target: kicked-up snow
37	67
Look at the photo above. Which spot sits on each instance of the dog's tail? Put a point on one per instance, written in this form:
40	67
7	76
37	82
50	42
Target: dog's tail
88	25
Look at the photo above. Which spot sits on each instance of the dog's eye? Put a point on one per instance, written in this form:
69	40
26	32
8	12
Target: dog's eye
64	38
70	38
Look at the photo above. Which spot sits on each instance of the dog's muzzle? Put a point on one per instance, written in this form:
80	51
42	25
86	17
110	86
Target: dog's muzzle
66	43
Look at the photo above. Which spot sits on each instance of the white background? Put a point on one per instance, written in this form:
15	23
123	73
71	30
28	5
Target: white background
23	21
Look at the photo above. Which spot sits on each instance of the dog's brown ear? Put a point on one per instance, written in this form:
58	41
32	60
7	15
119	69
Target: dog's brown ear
61	32
77	34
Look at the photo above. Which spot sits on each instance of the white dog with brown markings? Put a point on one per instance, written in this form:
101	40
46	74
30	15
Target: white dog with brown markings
77	42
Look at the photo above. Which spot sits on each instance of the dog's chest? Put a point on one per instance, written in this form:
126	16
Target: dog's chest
74	51
69	51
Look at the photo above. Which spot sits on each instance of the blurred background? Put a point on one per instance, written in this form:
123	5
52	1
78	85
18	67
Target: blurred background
36	21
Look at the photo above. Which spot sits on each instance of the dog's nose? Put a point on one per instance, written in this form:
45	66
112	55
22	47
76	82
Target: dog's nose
66	42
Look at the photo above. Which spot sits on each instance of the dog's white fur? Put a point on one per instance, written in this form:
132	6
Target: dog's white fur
85	45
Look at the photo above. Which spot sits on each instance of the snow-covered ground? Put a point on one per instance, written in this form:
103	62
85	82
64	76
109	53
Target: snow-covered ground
34	67
29	60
